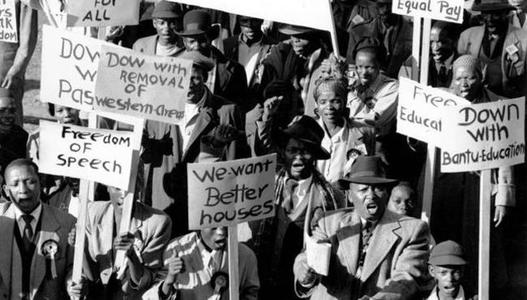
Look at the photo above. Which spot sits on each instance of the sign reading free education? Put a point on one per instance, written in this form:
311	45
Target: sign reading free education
150	87
98	155
445	10
8	31
419	110
487	135
99	13
231	192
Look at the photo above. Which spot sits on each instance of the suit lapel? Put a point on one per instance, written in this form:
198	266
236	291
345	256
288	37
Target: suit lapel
202	122
382	240
49	227
475	47
349	240
6	254
151	45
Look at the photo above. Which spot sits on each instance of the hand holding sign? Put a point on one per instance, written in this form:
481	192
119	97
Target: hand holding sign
175	266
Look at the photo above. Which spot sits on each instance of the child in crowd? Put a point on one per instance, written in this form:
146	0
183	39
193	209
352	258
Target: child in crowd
402	199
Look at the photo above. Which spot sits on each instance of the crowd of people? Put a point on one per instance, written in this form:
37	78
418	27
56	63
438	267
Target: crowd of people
345	176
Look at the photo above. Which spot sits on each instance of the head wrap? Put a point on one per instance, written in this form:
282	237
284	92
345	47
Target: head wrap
469	62
331	84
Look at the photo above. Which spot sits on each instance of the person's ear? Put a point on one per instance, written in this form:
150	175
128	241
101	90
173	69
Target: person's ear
431	270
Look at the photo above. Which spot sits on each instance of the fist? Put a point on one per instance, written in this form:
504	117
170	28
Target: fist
175	266
224	134
271	107
306	275
124	242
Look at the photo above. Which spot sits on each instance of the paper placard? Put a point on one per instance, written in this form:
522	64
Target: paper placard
98	155
231	192
99	13
318	255
144	86
445	10
487	135
419	110
8	28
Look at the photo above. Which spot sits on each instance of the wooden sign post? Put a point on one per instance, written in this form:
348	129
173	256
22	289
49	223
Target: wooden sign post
484	234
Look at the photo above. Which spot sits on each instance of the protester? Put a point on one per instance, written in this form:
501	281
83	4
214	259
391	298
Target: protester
14	57
298	188
375	253
143	246
402	199
196	267
35	257
446	265
12	137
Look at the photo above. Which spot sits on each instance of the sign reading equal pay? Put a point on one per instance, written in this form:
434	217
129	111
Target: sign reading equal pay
450	11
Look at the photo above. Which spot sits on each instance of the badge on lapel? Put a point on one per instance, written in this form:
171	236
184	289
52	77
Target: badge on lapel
49	249
512	53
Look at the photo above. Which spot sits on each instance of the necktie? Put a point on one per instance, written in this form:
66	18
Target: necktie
442	76
366	233
27	236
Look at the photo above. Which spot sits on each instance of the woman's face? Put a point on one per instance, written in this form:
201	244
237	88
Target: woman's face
467	83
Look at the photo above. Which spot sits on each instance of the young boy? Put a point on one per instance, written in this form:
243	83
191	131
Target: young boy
446	265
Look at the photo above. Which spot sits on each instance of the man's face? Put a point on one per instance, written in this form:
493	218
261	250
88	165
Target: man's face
301	44
299	159
385	13
214	238
401	201
197	43
330	107
369	200
117	195
467	83
197	85
495	21
448	280
23	187
367	67
166	30
66	115
441	46
7	112
251	29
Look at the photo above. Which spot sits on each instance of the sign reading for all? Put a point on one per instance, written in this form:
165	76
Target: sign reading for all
8	31
100	155
99	13
231	192
445	10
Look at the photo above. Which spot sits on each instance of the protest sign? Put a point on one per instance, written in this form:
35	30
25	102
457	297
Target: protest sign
8	28
69	68
318	255
308	13
445	10
487	135
99	13
418	111
231	192
150	87
98	155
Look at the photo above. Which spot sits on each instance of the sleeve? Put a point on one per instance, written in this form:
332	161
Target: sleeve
409	271
250	285
386	108
27	34
504	188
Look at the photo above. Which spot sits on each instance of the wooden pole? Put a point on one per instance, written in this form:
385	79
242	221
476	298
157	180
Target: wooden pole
234	277
416	48
334	40
484	234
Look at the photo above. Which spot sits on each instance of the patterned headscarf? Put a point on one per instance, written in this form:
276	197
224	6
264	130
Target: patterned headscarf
469	62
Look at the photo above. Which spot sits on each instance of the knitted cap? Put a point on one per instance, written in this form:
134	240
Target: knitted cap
468	61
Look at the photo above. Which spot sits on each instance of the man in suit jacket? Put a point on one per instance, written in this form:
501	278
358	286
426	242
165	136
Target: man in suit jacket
375	253
35	257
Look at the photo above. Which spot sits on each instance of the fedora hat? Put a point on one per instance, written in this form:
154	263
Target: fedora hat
368	170
198	21
491	5
447	253
288	29
166	10
307	130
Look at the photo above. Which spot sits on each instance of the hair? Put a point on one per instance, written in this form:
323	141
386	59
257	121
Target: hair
452	30
21	162
339	86
370	45
406	184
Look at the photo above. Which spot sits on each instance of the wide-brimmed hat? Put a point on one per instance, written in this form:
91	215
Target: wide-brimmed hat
368	170
307	130
198	21
447	253
491	5
288	29
198	59
166	10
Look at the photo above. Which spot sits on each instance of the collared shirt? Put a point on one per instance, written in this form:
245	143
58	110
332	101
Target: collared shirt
333	168
214	260
167	50
248	56
15	213
447	63
301	191
435	294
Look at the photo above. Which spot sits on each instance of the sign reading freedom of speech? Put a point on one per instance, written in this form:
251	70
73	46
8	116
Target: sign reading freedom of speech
98	155
150	87
488	135
100	13
69	68
231	192
445	10
419	110
308	13
8	31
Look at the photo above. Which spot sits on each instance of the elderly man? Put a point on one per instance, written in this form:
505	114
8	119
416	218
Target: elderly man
298	187
393	31
375	253
227	78
12	137
501	48
14	57
35	257
167	21
517	16
211	130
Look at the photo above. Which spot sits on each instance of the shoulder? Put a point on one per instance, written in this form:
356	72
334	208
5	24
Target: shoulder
335	219
183	244
153	215
245	253
62	217
364	27
411	227
144	41
472	30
